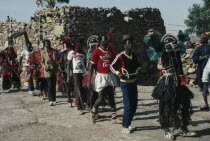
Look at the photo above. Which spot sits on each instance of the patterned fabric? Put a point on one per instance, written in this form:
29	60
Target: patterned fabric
35	61
7	61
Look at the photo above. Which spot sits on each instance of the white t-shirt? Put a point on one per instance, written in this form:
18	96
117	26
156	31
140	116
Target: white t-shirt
26	54
77	61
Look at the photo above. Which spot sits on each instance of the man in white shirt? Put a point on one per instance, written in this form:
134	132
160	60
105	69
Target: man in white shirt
76	62
25	54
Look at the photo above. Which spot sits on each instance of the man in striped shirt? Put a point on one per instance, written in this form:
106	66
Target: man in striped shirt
126	66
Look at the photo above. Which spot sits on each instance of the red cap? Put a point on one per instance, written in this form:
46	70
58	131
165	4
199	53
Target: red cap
205	35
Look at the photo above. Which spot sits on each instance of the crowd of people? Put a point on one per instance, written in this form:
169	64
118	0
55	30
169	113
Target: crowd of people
89	78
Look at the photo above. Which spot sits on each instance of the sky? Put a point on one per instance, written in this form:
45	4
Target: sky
173	12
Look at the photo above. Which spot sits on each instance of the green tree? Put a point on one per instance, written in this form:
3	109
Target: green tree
50	3
198	20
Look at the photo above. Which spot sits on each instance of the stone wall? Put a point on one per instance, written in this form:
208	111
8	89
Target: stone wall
89	21
19	43
188	66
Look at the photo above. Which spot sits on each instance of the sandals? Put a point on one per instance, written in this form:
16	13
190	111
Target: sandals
186	133
204	108
92	117
168	135
126	131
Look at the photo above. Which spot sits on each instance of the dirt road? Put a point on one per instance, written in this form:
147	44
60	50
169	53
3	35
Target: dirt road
28	118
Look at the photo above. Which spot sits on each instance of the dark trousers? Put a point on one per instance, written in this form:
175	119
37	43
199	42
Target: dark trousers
79	90
16	81
6	83
109	92
51	88
41	84
91	97
130	100
70	88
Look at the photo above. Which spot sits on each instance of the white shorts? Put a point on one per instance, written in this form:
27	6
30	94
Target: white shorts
103	80
206	74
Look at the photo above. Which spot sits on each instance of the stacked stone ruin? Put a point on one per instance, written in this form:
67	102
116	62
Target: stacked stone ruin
19	43
90	21
188	66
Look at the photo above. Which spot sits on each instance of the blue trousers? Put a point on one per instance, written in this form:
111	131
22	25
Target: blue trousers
31	84
130	100
31	88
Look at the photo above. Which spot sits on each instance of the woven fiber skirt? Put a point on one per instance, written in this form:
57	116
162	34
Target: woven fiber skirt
175	106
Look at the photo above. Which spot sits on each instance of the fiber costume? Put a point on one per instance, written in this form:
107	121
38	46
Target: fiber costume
174	97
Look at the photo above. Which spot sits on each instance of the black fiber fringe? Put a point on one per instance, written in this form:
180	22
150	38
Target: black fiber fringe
175	106
165	91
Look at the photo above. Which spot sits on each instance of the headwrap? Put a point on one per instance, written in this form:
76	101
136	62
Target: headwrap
205	35
110	35
67	39
77	48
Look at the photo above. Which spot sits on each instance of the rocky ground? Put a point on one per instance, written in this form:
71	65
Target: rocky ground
28	118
